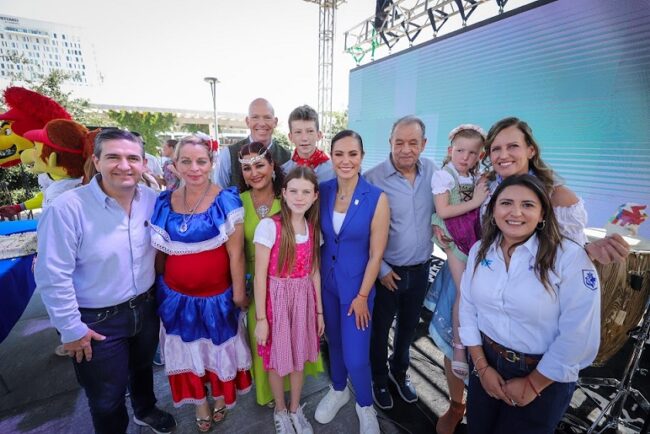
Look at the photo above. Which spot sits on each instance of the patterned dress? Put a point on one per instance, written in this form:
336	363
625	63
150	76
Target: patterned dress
290	305
202	337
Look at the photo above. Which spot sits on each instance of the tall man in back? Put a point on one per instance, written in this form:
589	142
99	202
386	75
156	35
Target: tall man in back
95	272
405	177
261	122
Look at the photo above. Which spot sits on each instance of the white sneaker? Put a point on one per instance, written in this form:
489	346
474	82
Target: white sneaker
300	422
368	423
283	422
331	404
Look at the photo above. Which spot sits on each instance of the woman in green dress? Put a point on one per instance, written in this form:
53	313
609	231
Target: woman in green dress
261	188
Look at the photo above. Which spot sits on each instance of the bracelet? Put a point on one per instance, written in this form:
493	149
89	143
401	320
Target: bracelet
476	361
479	372
532	386
263	318
361	295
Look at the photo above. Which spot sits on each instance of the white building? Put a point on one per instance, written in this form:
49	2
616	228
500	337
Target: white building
47	46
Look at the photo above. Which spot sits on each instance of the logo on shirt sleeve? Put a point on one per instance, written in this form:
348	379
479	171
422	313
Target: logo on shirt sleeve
589	279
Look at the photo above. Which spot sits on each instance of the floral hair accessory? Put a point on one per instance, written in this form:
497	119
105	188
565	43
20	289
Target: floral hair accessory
462	127
252	160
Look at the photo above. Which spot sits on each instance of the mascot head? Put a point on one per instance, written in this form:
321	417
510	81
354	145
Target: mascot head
28	110
61	148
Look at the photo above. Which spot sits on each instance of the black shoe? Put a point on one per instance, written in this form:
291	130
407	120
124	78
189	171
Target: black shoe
382	398
159	421
404	387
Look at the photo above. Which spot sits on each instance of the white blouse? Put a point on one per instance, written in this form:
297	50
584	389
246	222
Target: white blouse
265	233
337	221
442	181
515	309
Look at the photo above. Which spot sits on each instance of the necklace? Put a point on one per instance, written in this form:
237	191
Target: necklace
186	218
262	210
341	196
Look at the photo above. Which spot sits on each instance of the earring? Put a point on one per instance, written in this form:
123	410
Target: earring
273	176
493	222
541	225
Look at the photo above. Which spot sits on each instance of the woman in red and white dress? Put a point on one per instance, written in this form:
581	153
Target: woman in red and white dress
198	230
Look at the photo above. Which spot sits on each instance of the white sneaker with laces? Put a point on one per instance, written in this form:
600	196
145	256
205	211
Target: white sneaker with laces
300	422
283	422
368	423
331	404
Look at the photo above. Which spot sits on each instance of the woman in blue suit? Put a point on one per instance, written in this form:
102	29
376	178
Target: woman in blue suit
354	220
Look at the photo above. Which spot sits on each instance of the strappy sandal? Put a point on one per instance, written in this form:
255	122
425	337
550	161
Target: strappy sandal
459	368
219	414
203	424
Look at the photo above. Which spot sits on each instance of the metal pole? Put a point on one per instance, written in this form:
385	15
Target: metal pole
213	89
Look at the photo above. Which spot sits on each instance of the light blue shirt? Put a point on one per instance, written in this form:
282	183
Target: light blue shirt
411	208
324	171
91	254
512	306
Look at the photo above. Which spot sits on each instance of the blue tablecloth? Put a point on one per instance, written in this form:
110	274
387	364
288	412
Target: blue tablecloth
16	279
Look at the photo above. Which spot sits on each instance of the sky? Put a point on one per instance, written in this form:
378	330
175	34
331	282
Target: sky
155	53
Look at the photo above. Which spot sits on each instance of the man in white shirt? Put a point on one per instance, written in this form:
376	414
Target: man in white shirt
95	272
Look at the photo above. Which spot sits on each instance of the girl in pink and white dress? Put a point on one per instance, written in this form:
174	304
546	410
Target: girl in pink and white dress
289	311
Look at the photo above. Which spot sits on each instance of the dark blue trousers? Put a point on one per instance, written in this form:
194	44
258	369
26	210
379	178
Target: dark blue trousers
349	348
486	415
405	302
122	360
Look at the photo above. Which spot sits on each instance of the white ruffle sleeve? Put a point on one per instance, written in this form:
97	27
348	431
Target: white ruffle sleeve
441	182
572	221
265	233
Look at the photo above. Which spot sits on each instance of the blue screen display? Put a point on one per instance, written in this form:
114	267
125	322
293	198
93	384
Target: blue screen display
578	71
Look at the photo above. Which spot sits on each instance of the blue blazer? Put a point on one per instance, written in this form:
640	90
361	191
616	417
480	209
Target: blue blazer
344	256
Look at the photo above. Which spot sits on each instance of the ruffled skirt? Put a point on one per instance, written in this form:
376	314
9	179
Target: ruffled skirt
203	341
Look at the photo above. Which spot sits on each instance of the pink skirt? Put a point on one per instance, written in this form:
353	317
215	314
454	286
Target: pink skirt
293	329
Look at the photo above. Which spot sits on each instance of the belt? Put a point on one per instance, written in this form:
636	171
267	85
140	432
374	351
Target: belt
410	267
511	355
131	303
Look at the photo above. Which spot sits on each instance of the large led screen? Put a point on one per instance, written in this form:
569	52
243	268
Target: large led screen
578	71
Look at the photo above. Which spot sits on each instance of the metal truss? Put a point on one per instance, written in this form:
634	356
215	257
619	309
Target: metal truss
405	20
326	24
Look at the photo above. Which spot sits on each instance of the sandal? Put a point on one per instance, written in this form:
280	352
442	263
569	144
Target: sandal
219	414
203	424
459	368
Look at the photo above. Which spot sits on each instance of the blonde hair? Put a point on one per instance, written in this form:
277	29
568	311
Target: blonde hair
466	133
195	139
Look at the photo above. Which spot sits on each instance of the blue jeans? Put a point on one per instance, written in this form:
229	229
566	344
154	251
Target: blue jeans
487	415
122	360
406	301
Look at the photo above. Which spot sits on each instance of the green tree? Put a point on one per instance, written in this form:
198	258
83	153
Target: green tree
281	138
339	122
147	124
194	128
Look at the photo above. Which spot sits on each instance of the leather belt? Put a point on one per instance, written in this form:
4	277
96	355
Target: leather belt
511	355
